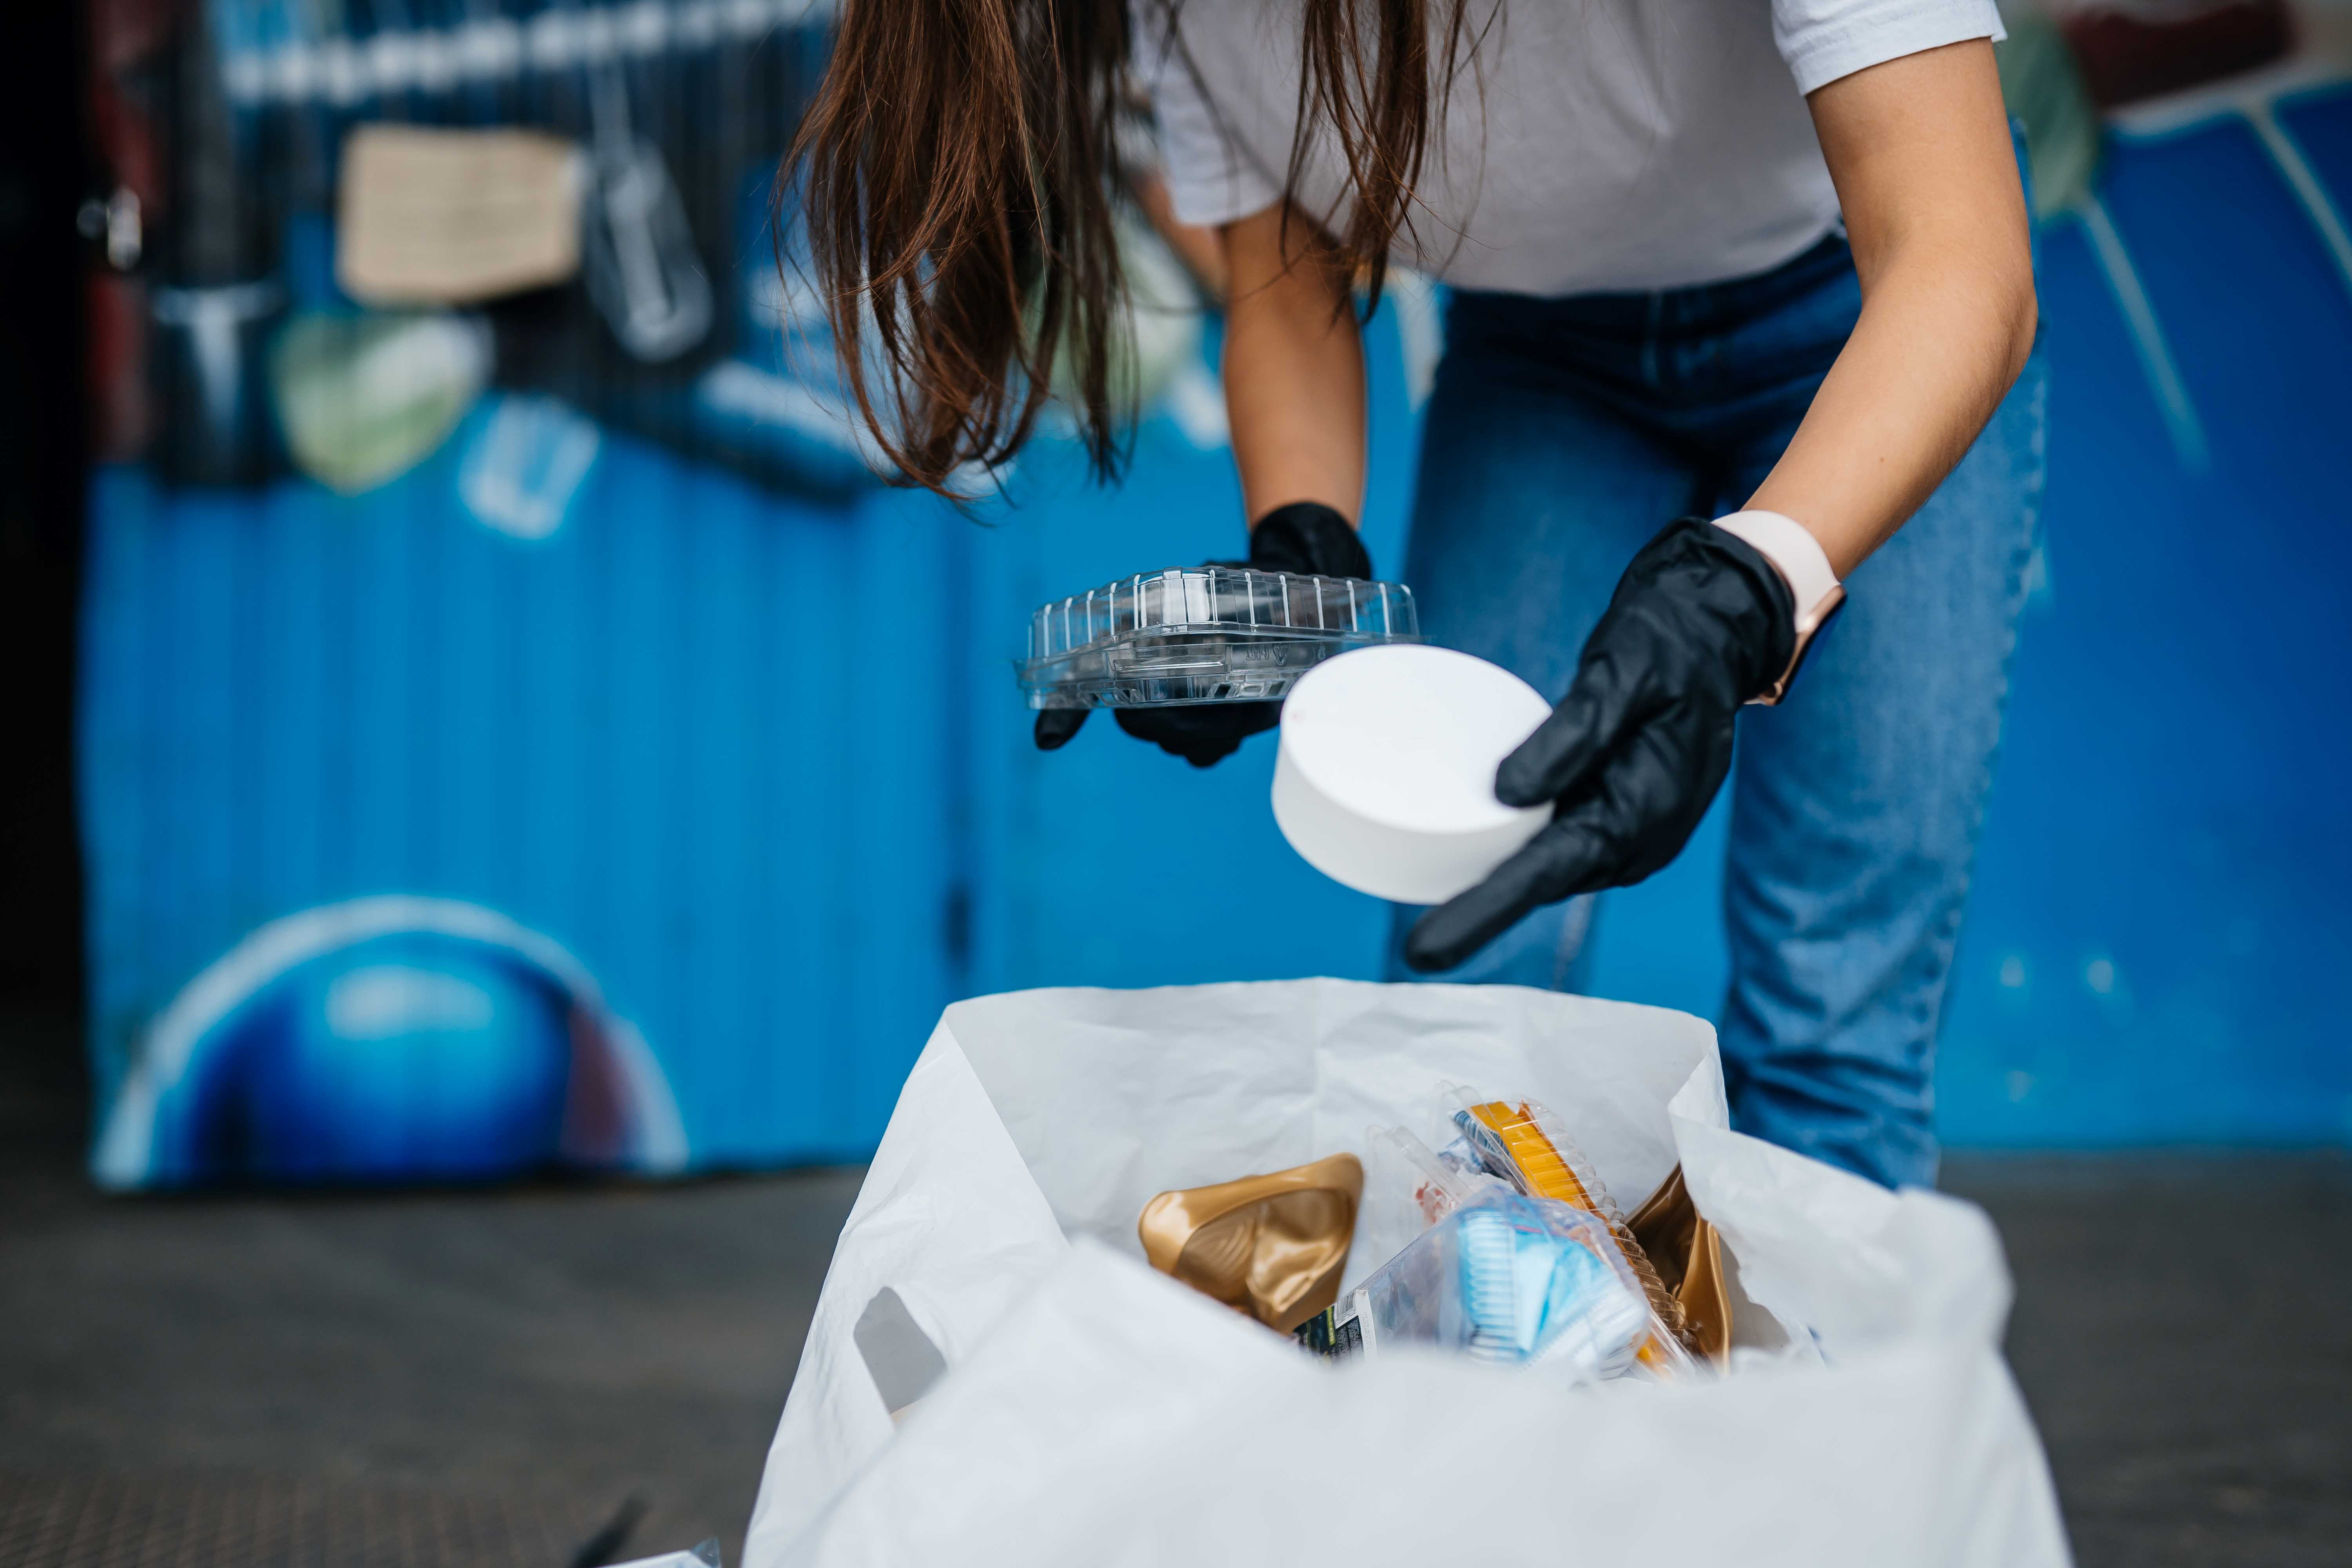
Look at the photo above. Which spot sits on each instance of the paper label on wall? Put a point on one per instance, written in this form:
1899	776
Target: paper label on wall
443	216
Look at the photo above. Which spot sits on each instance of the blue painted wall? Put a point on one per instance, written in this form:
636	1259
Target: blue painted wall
695	737
2161	906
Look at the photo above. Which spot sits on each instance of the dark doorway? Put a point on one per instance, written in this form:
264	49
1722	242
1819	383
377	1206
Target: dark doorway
45	174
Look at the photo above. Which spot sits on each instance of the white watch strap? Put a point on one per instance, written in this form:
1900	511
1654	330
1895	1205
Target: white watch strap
1784	542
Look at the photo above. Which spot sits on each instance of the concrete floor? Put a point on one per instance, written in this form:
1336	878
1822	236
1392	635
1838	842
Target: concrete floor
413	1380
2181	1332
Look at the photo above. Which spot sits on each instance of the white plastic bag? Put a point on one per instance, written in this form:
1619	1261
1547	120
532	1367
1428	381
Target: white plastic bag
1093	1412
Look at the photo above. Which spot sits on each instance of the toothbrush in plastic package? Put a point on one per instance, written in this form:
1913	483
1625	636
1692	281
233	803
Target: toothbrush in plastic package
1504	1279
1524	1143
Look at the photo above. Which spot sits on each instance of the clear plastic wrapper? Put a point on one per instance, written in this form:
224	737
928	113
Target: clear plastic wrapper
1203	633
1525	1144
1504	1277
1408	1187
1522	1143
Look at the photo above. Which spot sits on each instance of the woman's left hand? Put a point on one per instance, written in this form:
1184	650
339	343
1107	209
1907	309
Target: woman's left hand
1701	623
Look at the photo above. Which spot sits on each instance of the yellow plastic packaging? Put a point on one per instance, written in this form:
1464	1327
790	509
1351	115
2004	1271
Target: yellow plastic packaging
1523	1143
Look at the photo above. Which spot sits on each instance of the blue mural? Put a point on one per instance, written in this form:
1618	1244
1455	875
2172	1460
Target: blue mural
388	1039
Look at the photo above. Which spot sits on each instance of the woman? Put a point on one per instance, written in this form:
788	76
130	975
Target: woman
1765	265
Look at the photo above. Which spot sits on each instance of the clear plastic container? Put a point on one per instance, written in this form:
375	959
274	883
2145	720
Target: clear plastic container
1409	1186
1203	633
1502	1278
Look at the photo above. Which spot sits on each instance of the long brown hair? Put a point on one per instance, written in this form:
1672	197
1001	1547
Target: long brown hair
963	160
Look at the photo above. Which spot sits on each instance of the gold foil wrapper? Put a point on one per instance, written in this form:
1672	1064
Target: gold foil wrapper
1272	1247
1688	1257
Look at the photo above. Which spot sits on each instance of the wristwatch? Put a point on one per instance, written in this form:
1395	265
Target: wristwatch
1797	555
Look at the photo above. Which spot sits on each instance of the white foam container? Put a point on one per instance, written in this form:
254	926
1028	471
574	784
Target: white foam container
1384	779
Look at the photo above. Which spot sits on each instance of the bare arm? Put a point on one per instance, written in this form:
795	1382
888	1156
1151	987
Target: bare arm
1198	248
1294	366
1919	148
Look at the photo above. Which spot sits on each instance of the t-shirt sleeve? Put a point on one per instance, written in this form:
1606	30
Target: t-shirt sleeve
1211	178
1825	40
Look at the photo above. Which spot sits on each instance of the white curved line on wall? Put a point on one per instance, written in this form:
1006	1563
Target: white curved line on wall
125	1149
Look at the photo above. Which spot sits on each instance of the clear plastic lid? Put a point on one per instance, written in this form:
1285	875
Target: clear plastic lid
1203	633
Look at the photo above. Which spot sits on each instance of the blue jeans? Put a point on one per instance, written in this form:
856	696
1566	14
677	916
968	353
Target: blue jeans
1561	434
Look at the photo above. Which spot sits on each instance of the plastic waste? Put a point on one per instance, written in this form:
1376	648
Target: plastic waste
1409	1186
1524	1143
1084	1388
644	271
1203	633
1506	1278
1272	1245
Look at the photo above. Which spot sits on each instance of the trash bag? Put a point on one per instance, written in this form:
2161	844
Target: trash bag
994	1377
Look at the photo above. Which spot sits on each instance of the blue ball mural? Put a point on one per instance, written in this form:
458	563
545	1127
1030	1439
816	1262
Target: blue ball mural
388	1039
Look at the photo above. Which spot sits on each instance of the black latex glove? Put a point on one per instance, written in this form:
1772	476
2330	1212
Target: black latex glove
1305	537
1700	623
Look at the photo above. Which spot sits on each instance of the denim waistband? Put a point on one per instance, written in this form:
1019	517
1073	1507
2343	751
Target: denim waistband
1700	309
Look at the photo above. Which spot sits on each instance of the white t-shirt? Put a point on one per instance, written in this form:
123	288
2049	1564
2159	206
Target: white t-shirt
1601	145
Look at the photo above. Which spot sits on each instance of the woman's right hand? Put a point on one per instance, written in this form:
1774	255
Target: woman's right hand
1294	373
1304	538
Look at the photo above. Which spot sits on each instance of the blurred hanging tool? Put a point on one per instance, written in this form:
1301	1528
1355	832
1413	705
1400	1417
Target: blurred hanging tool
644	272
207	343
525	464
215	296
